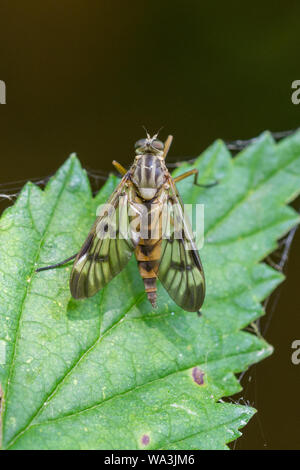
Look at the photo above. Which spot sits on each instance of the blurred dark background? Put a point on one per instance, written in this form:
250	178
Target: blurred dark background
85	76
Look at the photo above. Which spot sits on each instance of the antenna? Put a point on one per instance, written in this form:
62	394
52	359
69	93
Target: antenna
147	133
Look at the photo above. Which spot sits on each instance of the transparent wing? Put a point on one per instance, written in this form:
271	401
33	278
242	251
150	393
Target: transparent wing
105	252
180	269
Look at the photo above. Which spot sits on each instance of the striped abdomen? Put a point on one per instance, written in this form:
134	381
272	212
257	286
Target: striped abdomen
147	254
148	251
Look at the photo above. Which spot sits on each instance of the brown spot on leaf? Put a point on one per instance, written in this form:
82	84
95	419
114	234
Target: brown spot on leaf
198	376
145	439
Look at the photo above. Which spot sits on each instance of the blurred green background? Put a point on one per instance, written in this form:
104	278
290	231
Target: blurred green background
84	76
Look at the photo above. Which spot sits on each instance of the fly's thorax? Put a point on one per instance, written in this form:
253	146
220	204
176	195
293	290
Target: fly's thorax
148	174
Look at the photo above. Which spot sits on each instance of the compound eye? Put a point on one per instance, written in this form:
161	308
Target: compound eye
158	145
140	143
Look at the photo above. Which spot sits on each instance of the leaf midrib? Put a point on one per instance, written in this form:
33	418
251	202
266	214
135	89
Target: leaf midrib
211	229
66	375
126	392
244	198
28	286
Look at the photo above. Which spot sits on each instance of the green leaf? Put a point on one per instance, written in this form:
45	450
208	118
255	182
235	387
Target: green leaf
109	372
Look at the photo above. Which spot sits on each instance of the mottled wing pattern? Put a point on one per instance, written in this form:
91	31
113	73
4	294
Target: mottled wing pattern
180	269
102	256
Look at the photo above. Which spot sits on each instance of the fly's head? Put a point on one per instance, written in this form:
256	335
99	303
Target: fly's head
149	170
149	145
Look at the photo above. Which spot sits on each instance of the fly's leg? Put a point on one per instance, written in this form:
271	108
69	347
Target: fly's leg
167	145
119	168
61	263
195	172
